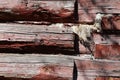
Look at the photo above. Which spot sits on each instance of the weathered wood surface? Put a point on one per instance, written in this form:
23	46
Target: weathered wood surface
37	10
107	38
36	67
41	34
56	67
107	46
87	9
56	38
35	38
89	69
111	23
107	51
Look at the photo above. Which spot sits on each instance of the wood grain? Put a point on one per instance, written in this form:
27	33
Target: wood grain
37	10
93	68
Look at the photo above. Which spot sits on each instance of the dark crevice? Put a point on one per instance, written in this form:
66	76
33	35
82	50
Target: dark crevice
30	47
75	72
76	15
76	44
110	32
12	78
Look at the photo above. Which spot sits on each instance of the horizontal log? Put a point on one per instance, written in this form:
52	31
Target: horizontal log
58	67
36	67
108	37
32	29
36	38
107	51
107	46
37	10
32	38
111	23
93	68
41	34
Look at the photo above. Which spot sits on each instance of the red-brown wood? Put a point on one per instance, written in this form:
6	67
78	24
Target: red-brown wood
36	38
111	23
92	68
107	51
107	46
37	10
89	8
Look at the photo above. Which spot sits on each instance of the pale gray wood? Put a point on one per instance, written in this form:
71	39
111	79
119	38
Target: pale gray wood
31	65
32	33
32	29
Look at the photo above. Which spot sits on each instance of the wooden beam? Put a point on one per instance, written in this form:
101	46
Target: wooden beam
107	38
36	67
58	67
33	38
93	68
39	34
107	46
111	23
56	38
37	10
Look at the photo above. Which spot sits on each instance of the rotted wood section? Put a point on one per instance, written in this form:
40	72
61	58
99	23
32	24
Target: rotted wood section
37	10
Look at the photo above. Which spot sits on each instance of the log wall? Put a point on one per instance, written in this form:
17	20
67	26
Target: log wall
44	27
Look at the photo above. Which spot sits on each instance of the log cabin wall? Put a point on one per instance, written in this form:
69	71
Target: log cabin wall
44	27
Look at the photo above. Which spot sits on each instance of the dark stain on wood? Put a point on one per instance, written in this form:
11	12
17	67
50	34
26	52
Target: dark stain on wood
35	10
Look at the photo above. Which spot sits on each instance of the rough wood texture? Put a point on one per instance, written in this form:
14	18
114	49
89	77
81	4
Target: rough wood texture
107	46
89	69
36	38
40	34
55	67
107	38
37	10
36	67
111	23
89	8
107	51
